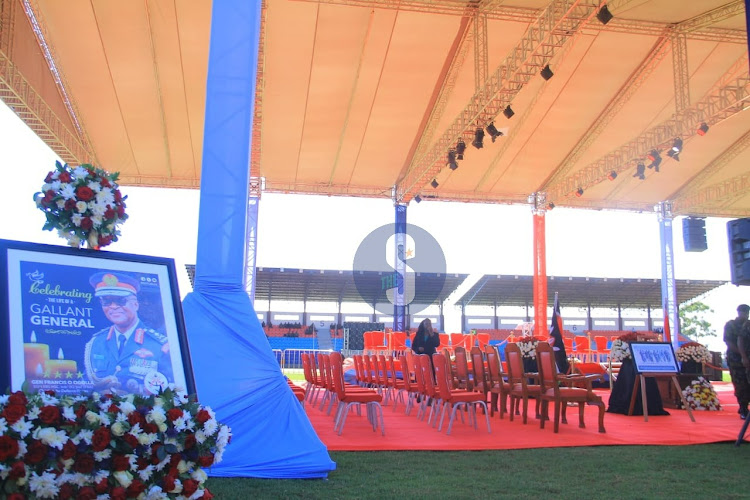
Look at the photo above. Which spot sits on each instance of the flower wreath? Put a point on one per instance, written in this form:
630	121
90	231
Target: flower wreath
109	446
83	204
700	395
528	346
693	351
620	349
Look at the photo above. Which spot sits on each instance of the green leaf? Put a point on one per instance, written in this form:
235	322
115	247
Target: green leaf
161	453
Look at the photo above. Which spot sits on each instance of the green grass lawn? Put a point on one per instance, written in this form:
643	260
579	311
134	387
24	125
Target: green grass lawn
701	471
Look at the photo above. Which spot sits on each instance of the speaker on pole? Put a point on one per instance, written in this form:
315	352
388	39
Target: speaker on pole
694	234
738	232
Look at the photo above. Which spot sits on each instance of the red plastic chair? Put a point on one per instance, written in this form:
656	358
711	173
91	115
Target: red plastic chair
456	399
348	398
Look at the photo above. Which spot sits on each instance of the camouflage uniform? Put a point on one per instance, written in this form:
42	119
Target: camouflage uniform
732	330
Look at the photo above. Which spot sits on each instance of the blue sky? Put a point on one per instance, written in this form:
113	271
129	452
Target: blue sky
323	232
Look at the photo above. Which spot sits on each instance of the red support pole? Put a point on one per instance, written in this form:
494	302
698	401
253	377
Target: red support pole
540	277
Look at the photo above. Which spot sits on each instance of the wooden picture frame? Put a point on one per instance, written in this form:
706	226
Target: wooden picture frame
61	311
653	357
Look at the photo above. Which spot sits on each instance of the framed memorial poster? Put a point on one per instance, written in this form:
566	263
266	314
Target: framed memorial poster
81	321
653	357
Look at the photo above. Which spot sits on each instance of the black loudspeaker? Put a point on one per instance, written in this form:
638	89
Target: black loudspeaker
694	234
738	232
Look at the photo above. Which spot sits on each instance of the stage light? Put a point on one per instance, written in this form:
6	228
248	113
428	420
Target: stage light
508	112
604	15
546	72
676	149
655	158
434	183
640	171
452	163
612	175
703	129
460	148
418	199
478	141
579	192
493	131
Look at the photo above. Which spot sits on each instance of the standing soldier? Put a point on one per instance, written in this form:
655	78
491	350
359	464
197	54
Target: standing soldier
737	340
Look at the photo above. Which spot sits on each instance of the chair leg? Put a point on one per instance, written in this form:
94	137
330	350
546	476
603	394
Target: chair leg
581	407
525	408
557	415
493	403
487	418
545	412
600	404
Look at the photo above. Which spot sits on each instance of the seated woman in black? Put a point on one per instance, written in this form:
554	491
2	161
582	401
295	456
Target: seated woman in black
426	341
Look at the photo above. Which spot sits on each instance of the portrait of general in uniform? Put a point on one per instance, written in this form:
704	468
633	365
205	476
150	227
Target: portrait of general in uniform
124	355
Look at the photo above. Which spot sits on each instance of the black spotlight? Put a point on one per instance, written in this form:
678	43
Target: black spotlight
612	175
434	183
418	199
546	73
460	148
452	163
676	149
478	141
703	129
640	171
604	15
493	131
655	158
579	192
508	112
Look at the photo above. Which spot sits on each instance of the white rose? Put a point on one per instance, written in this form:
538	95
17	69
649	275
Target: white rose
123	477
182	466
81	206
157	416
92	417
127	407
199	475
118	429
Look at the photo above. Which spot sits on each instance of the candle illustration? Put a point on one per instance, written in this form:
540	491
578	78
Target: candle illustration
57	368
35	356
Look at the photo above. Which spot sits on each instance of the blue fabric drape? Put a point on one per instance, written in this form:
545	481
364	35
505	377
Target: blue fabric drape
235	370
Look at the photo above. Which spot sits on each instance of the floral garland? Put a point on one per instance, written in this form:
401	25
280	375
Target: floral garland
528	346
114	447
693	351
83	204
700	395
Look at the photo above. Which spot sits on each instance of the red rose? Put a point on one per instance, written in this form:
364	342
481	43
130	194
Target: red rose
102	486
189	441
66	491
69	450
155	453
136	488
203	416
109	213
105	182
13	413
206	460
84	463
189	486
174	414
175	459
49	392
136	418
121	211
120	462
35	452
118	195
64	177
48	196
141	462
150	428
113	409
100	439
16	496
8	448
118	493
207	494
104	240
70	204
86	493
131	440
87	223
49	178
50	415
81	410
17	470
84	193
18	398
168	483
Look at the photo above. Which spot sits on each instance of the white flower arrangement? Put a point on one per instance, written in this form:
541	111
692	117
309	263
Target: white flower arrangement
693	351
700	395
527	345
619	350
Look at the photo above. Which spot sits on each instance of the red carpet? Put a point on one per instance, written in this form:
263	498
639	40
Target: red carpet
407	433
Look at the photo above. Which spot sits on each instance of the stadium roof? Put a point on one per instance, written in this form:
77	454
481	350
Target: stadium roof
366	97
326	285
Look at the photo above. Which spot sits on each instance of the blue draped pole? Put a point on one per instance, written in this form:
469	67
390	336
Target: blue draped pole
235	370
399	306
